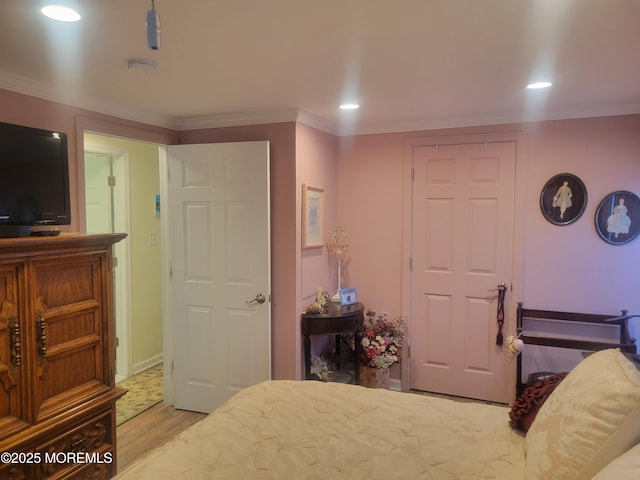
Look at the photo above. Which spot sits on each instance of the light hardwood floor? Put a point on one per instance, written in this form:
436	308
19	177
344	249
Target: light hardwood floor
151	429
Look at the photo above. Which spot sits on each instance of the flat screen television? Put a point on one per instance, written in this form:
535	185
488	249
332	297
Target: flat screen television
34	179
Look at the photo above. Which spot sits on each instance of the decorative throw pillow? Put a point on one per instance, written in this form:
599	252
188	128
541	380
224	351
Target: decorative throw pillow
590	419
525	408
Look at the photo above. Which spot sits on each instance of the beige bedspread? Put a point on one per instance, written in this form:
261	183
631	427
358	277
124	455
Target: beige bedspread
313	430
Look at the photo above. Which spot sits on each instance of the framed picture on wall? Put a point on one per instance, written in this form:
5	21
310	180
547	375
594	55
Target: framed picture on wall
563	199
617	218
312	216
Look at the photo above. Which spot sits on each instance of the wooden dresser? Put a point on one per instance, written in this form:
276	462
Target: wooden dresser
57	378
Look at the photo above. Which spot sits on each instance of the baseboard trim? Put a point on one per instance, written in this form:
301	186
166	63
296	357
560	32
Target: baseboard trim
148	363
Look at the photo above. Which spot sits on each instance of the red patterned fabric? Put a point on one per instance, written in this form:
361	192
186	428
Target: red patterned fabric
525	408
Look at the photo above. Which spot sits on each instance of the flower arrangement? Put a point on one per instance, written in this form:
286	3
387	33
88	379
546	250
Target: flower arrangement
382	339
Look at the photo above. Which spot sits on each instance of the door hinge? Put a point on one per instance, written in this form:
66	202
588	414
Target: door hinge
115	262
172	367
117	342
413	174
111	181
411	264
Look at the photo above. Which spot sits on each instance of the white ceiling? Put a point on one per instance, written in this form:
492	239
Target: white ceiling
410	64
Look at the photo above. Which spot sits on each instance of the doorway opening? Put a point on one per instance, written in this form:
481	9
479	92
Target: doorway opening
107	211
150	325
121	191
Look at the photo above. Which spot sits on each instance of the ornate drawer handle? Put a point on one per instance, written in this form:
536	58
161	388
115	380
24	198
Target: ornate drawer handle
42	337
14	342
78	445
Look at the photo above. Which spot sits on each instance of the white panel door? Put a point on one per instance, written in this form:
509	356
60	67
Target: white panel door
220	258
462	236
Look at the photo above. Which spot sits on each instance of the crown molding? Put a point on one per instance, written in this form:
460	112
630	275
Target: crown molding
311	120
254	118
33	88
26	86
235	119
398	127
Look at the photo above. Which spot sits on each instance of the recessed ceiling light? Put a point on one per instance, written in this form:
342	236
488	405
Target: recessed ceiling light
349	106
538	85
60	13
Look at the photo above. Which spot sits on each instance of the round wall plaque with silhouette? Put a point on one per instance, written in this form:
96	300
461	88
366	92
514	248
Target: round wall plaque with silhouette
617	218
563	199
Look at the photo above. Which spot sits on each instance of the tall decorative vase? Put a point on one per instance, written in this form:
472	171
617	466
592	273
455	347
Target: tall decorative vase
338	244
374	377
336	297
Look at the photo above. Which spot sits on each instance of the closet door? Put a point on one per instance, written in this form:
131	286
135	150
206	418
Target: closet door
462	244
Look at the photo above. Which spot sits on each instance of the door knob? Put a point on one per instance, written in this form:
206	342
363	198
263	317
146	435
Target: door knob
260	298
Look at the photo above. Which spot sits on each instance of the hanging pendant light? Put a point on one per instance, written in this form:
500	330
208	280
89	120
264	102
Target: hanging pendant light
153	28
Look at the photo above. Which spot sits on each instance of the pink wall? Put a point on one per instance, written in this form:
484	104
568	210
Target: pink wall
561	268
564	268
370	207
316	165
568	267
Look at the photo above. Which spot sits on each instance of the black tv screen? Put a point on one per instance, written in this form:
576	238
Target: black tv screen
34	176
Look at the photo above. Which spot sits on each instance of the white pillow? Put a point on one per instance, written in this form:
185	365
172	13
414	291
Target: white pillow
590	419
625	467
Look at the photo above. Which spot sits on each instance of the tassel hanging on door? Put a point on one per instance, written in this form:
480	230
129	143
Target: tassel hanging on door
502	288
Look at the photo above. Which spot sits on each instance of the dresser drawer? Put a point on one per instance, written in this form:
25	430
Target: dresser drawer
74	453
91	472
12	472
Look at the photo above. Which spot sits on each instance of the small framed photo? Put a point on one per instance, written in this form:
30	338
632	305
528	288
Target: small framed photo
563	199
312	216
617	218
348	296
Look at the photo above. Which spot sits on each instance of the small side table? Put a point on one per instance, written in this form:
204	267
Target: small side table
339	319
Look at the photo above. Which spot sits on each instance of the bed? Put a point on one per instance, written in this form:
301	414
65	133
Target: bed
553	344
589	427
